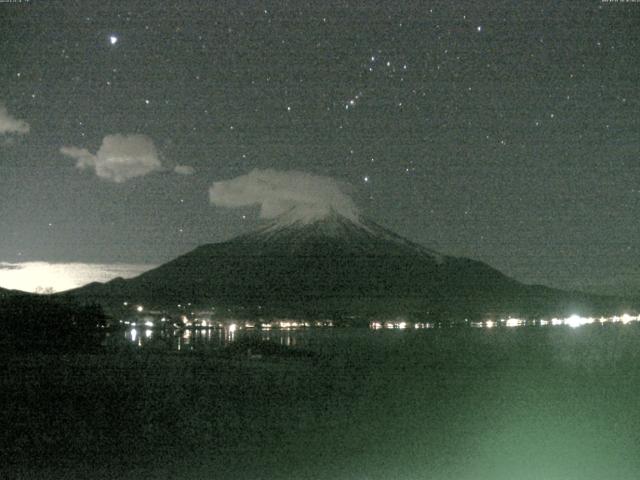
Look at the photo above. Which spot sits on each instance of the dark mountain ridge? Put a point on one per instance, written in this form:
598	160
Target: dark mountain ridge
336	267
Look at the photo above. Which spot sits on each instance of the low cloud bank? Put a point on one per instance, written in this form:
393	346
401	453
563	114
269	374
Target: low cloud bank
57	277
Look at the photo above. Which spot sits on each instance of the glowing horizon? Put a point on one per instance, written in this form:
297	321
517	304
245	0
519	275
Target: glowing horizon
36	277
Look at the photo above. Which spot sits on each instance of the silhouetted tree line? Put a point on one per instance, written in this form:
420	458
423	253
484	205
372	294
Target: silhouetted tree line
31	322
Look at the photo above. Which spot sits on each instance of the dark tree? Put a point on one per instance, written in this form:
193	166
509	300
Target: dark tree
32	322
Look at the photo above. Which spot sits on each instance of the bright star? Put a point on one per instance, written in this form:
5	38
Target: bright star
113	39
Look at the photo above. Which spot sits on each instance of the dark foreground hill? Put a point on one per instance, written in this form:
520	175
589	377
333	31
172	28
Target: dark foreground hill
339	268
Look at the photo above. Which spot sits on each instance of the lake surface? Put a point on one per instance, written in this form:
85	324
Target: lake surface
301	334
551	402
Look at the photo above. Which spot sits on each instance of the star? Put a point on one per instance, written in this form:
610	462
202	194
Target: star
113	39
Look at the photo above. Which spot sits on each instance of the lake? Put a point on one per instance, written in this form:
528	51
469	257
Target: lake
299	333
538	402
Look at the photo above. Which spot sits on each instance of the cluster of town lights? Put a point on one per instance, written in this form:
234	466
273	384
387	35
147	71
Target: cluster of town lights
573	321
399	323
232	325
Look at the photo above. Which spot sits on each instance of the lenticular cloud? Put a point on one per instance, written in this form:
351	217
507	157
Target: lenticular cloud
302	196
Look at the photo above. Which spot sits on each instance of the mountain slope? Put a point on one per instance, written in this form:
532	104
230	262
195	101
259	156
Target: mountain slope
4	293
332	266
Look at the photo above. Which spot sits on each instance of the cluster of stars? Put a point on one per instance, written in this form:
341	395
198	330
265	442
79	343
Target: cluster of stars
388	68
352	101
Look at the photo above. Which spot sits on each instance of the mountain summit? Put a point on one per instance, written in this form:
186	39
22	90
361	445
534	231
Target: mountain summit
356	234
332	266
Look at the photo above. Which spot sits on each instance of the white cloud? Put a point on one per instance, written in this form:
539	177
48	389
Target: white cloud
10	124
122	157
31	276
302	196
184	170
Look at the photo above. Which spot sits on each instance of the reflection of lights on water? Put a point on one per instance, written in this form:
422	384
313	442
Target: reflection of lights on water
287	341
224	332
231	332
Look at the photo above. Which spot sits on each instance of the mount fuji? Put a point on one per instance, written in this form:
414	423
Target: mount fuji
331	265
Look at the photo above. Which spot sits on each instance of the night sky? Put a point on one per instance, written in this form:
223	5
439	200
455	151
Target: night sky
508	132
